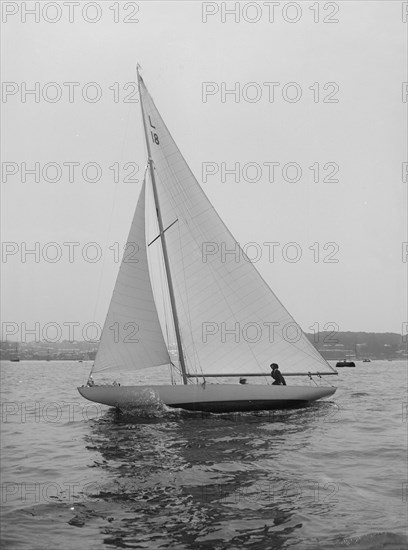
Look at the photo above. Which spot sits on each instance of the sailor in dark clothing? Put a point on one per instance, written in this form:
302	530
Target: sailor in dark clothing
277	375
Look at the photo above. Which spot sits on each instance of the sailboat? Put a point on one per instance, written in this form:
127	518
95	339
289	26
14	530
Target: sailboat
222	326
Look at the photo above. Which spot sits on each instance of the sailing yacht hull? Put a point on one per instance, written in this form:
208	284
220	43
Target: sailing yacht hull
215	398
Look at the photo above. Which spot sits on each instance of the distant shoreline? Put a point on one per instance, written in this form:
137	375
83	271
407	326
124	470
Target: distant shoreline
333	346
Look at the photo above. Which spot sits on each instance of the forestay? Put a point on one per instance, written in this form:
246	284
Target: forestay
230	320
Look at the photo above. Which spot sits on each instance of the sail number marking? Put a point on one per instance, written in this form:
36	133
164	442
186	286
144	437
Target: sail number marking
155	137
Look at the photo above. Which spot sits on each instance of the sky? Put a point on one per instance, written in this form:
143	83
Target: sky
318	96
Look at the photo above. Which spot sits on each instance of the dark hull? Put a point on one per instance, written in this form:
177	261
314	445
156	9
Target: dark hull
345	364
240	406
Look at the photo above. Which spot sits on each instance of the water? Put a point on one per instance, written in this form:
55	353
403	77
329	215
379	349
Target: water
77	475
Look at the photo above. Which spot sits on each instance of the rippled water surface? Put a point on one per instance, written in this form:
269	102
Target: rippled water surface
77	475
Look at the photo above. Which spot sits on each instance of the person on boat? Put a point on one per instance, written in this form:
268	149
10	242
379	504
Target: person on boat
242	380
277	375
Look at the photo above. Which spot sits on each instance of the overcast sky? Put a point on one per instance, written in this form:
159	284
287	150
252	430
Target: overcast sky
343	115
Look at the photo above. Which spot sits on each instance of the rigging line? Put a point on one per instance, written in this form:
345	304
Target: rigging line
196	356
161	275
177	369
158	176
165	308
171	374
164	292
160	234
195	352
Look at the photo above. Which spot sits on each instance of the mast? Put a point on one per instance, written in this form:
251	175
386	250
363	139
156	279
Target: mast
164	246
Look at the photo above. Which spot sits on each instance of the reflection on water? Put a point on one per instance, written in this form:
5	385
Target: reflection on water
78	475
203	479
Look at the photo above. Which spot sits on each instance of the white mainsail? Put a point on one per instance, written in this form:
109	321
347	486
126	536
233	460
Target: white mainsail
229	319
132	338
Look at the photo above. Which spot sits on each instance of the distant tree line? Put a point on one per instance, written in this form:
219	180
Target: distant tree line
332	345
360	345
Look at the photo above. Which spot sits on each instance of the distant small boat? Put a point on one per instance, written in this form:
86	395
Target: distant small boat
345	363
366	360
14	357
